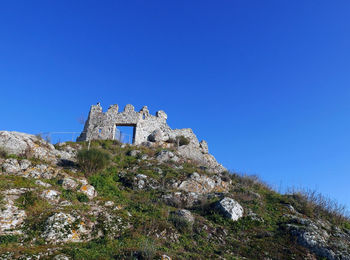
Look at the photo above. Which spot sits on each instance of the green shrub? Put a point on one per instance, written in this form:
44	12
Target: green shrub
6	239
181	140
93	160
82	197
147	249
27	199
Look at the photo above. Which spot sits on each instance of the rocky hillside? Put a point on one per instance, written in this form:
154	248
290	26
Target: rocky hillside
57	202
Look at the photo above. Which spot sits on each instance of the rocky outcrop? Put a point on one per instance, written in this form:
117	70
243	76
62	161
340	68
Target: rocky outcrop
60	228
319	237
11	217
204	184
28	145
165	156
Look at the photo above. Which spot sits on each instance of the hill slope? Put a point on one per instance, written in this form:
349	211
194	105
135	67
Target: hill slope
150	203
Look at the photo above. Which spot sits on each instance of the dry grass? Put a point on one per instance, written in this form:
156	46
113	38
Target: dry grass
313	203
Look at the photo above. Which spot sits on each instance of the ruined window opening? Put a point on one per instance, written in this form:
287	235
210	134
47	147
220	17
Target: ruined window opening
143	116
125	133
99	130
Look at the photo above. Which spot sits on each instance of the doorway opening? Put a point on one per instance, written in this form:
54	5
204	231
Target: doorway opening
125	133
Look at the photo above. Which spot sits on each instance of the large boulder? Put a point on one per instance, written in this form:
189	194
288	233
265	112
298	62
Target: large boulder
156	136
230	208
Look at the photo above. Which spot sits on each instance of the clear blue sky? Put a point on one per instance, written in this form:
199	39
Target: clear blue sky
266	83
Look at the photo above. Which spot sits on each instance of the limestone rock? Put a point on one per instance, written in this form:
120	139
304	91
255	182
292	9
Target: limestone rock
89	191
165	155
11	217
316	236
230	208
204	146
182	199
30	146
11	166
25	164
109	203
59	228
51	195
112	225
134	153
156	136
69	184
41	183
204	184
185	215
140	180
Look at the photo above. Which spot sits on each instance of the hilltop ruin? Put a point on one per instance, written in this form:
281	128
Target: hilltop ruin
148	130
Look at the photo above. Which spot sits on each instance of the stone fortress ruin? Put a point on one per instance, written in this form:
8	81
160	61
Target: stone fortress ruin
147	130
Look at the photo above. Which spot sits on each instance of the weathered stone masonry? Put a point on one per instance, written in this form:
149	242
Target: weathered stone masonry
147	129
102	125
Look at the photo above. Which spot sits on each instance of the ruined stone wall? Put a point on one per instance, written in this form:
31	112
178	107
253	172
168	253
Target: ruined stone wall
148	129
100	125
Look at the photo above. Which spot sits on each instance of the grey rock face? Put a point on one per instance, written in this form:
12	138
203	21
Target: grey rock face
11	217
30	145
204	146
230	208
185	214
59	229
203	184
182	199
148	130
317	236
11	166
165	155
